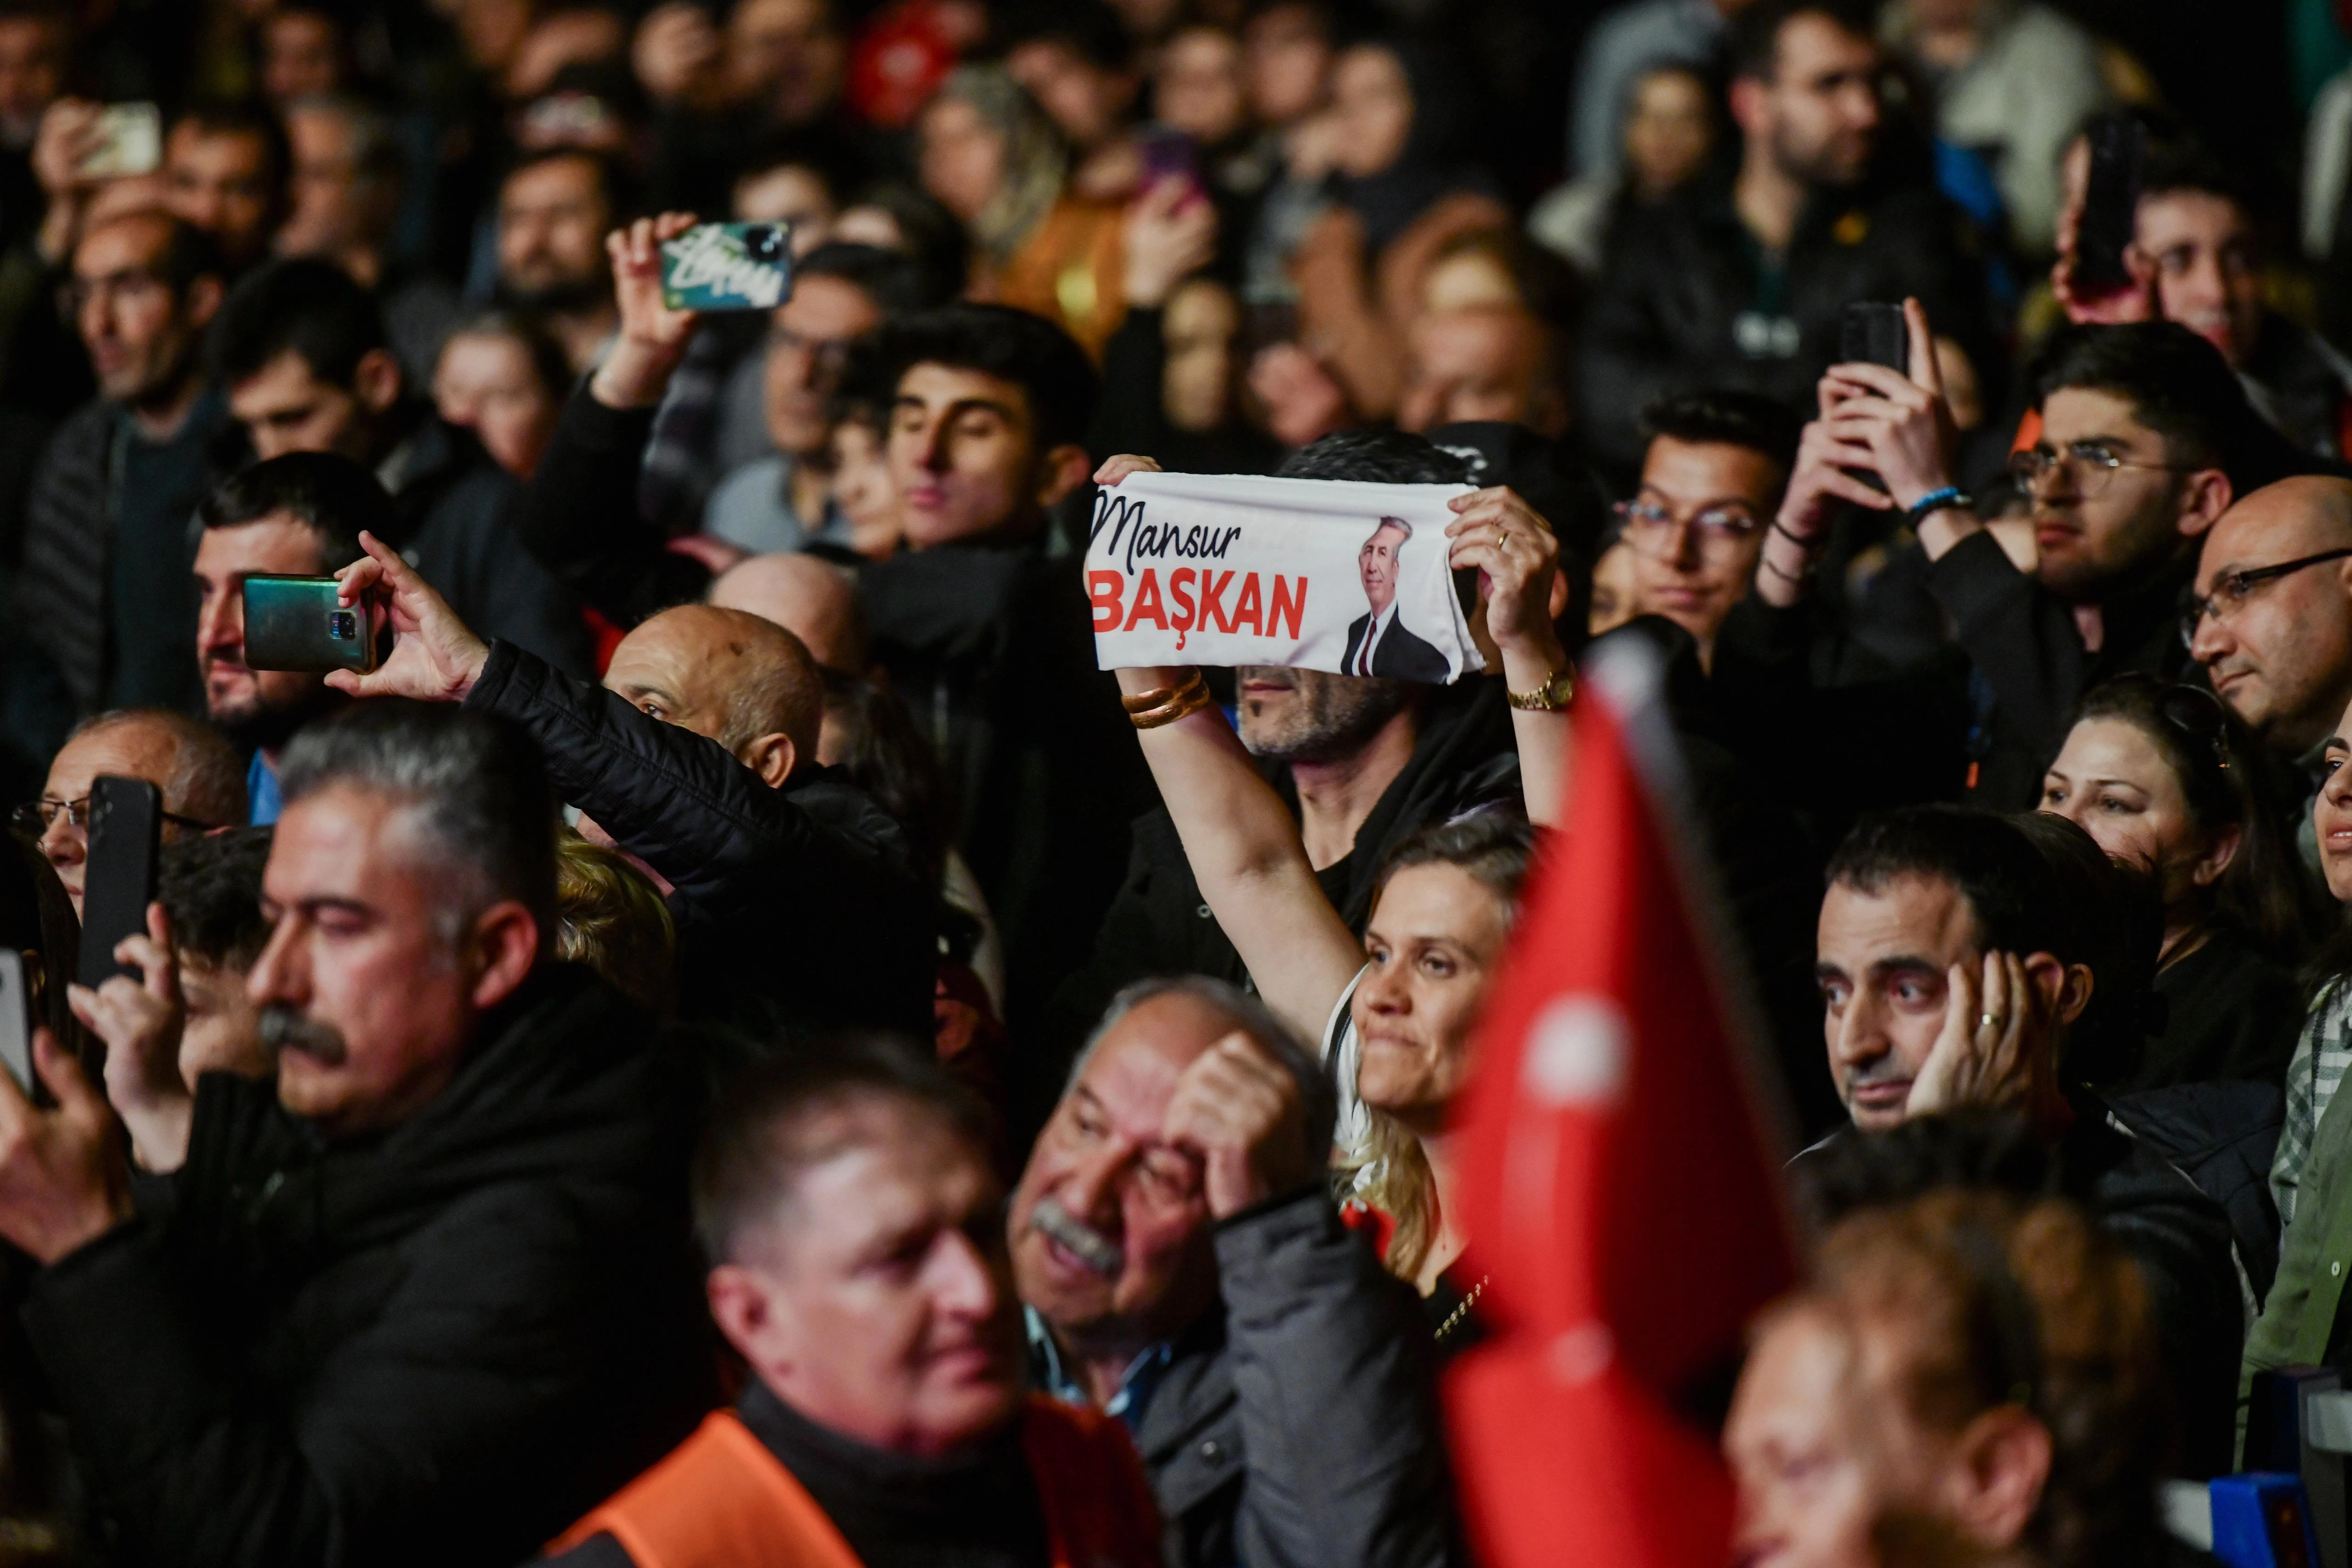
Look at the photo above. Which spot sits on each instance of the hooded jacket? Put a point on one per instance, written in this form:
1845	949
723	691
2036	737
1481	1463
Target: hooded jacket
439	1343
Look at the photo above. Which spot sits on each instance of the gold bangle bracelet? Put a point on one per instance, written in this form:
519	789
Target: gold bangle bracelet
1144	701
1187	702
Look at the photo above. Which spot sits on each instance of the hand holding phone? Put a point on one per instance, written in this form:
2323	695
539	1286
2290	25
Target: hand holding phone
1871	333
435	658
142	1023
299	624
129	141
728	267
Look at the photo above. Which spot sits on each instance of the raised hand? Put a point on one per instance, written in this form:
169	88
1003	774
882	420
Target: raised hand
1996	1045
1518	560
1170	232
1115	469
64	1180
653	337
1236	1109
141	1022
435	658
1903	421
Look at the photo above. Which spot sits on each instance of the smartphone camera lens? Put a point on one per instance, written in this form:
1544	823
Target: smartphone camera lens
764	242
343	626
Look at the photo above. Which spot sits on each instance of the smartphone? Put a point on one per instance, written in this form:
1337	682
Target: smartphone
2110	205
1874	334
130	142
1169	153
126	827
294	623
728	267
16	1019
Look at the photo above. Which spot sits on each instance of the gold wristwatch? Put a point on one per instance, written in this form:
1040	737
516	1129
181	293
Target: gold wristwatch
1552	696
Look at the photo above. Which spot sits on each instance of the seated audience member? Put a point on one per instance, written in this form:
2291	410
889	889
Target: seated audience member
1712	479
103	587
993	158
349	171
301	349
2310	1175
225	170
811	599
884	1420
553	211
1358	267
503	378
1186	1270
2195	232
1367	761
610	916
1740	279
194	770
1077	61
2270	620
188	1013
1966	1376
2161	776
698	759
2146	439
1947	987
472	1201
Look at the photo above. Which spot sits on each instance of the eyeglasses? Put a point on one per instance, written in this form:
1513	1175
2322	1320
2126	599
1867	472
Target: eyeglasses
1717	526
2231	590
2088	464
37	818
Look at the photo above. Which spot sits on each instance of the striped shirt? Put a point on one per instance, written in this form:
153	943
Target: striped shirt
2322	1052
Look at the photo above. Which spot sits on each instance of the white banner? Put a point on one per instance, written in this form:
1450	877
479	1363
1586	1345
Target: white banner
1228	569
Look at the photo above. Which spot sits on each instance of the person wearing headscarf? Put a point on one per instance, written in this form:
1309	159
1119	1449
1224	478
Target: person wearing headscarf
989	153
1398	201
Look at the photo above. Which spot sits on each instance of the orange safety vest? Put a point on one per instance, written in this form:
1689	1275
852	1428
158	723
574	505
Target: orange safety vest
720	1500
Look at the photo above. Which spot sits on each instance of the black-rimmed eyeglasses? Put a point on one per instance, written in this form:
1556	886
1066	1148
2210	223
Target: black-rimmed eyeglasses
2232	589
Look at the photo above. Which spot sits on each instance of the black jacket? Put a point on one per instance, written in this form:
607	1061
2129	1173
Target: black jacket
579	516
1686	300
458	511
444	1344
2222	1136
1399	655
2230	1015
1297	1425
797	906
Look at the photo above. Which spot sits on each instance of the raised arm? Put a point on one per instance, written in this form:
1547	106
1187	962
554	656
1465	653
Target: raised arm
1517	560
1244	846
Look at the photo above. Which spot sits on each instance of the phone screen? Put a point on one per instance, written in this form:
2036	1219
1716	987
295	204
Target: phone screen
728	267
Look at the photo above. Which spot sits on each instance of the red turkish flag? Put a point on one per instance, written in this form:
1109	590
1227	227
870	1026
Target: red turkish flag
1623	1197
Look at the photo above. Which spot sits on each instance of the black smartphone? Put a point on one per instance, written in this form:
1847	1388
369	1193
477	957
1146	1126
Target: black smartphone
1874	334
16	1019
126	828
2110	205
294	623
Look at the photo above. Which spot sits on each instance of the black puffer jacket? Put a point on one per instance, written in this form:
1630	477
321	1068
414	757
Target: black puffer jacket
795	906
442	1344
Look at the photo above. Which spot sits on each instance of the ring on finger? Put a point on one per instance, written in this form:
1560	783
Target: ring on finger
1989	1021
1502	536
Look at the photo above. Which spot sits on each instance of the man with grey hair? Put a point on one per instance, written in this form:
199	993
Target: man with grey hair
425	1296
1380	645
193	769
1184	1269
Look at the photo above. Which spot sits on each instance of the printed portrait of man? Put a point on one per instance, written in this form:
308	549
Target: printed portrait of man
1378	641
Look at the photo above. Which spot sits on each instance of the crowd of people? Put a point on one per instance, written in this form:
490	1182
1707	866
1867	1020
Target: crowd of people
731	1035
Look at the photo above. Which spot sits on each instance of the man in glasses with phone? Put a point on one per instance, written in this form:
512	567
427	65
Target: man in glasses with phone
197	772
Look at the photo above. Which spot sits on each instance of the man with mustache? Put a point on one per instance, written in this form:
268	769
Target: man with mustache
853	1219
1185	1270
425	1291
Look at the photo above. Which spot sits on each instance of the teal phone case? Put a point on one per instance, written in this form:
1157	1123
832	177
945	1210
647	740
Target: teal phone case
294	623
728	267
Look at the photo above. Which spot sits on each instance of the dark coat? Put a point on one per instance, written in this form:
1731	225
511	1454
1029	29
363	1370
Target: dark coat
1298	1426
795	906
1685	302
444	1344
458	528
1399	656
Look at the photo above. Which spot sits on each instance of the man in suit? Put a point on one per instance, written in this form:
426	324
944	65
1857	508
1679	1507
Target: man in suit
1378	642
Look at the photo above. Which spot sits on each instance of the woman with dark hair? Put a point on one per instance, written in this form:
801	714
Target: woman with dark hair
2164	778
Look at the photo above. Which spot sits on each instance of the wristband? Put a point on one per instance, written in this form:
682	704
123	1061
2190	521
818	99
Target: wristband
1937	500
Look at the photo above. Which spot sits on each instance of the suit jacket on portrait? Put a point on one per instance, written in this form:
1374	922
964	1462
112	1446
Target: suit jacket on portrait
1399	656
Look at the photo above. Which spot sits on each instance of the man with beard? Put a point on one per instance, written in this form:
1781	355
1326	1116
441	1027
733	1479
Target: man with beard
103	590
1739	279
1365	761
554	211
294	516
1186	1270
428	1291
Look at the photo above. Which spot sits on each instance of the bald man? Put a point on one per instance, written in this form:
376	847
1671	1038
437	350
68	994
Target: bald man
196	771
812	598
797	901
